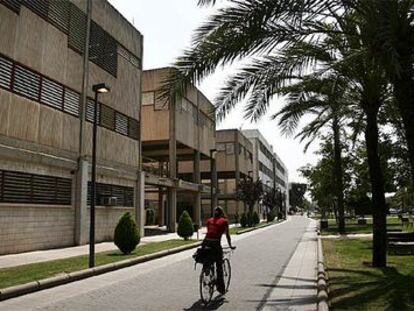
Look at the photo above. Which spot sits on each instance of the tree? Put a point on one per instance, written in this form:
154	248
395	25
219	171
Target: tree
185	227
249	192
271	201
324	98
126	235
296	195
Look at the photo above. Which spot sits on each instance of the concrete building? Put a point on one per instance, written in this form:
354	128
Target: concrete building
174	131
45	122
267	165
234	161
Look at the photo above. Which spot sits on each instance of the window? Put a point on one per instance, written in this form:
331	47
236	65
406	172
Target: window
148	98
132	59
6	68
229	148
26	83
90	109
107	117
59	15
221	146
71	102
40	7
13	4
77	29
19	187
124	195
103	49
133	129
51	94
121	123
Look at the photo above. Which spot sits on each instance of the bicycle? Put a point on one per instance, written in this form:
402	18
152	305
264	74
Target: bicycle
208	277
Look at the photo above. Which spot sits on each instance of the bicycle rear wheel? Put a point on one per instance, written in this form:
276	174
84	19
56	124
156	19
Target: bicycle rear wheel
207	283
227	273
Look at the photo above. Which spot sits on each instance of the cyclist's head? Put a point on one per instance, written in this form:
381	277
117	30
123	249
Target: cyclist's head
218	212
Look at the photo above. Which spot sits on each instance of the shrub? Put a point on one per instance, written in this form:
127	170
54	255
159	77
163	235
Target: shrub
185	226
270	216
255	218
126	236
243	220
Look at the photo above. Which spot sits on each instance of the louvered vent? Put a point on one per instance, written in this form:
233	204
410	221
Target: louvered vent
26	83
18	187
71	102
52	94
6	68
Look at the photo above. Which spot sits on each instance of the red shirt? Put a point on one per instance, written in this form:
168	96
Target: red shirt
216	227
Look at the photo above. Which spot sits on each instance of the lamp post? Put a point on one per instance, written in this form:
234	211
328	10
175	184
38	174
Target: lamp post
97	88
213	178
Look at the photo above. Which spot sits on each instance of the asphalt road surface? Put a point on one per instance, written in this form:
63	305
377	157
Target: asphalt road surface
171	283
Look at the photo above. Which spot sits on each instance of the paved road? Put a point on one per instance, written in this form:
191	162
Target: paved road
170	283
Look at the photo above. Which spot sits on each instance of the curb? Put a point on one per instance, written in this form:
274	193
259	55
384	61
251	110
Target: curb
64	278
322	281
257	228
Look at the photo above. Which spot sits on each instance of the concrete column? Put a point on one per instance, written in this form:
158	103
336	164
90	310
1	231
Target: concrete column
214	183
172	160
237	164
197	195
161	214
140	202
172	209
81	208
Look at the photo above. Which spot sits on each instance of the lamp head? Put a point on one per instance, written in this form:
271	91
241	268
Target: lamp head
101	88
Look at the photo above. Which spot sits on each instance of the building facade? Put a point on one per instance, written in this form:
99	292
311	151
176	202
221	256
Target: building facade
233	161
174	131
46	122
267	165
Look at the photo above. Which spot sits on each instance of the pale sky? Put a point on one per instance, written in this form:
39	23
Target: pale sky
167	27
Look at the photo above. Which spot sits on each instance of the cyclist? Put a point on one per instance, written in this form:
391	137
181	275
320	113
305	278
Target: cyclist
216	226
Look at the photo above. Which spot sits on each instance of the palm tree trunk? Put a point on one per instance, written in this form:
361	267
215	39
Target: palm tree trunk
338	175
379	254
404	94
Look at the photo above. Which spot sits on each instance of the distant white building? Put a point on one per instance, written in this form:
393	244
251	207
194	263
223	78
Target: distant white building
267	165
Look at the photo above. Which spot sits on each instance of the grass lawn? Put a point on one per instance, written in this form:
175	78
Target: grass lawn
235	230
352	226
27	273
354	285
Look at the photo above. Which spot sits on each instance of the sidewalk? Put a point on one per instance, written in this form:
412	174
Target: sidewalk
296	288
13	260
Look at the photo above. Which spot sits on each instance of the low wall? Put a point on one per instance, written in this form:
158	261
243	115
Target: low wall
33	227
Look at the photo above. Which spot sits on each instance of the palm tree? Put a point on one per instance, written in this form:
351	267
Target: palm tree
289	39
325	98
392	44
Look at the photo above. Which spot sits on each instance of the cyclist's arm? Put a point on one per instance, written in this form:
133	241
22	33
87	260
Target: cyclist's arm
228	236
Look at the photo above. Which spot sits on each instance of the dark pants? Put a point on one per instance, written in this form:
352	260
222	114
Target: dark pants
218	259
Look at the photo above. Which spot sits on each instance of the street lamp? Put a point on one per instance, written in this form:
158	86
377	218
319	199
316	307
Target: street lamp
213	177
97	88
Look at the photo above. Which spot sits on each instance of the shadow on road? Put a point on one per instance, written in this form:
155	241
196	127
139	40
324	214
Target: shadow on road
213	305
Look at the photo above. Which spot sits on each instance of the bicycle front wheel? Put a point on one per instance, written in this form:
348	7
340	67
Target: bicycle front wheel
207	284
227	273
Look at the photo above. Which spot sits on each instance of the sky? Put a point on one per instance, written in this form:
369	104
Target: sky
167	27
